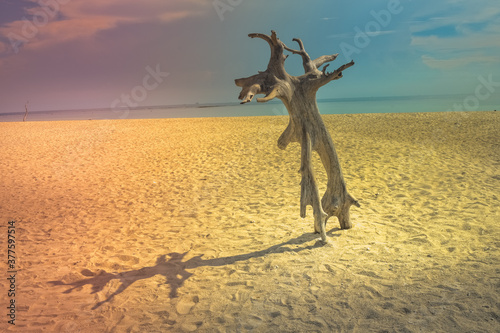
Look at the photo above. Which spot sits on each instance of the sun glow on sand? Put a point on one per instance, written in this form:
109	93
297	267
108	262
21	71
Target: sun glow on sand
192	224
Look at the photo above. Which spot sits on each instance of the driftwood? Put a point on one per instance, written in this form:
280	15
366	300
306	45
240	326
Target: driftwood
298	94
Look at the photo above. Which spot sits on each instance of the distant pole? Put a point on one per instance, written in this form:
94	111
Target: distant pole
26	113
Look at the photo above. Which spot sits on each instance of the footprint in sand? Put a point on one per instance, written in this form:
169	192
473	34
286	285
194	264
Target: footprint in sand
185	305
191	327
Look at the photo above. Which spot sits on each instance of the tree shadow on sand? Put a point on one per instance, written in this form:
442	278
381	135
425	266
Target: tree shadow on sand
175	270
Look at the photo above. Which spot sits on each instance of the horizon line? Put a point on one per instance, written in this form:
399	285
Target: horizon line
224	104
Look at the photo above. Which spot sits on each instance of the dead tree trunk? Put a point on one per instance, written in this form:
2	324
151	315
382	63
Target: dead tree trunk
305	126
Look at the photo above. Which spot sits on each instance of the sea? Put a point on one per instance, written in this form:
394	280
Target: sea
395	104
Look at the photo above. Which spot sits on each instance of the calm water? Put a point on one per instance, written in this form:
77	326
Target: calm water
337	106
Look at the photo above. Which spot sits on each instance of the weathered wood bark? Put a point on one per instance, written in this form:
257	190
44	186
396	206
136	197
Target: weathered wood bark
298	94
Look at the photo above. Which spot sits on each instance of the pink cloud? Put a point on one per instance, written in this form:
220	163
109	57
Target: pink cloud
3	47
66	20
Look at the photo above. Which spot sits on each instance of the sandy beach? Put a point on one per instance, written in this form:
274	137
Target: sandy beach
188	225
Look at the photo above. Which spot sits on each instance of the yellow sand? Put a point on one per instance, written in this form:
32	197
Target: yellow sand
193	225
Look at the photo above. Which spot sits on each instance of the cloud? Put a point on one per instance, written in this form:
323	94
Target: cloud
3	47
381	32
456	14
135	10
458	35
368	33
343	35
467	42
44	26
459	20
447	64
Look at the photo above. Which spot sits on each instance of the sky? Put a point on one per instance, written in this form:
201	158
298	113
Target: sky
81	54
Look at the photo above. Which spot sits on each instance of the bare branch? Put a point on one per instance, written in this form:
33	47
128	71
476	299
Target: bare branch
324	59
337	74
327	77
324	69
263	36
272	94
301	45
276	63
306	60
247	94
287	136
301	51
262	83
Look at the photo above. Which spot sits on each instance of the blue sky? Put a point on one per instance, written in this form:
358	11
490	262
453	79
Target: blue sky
77	54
